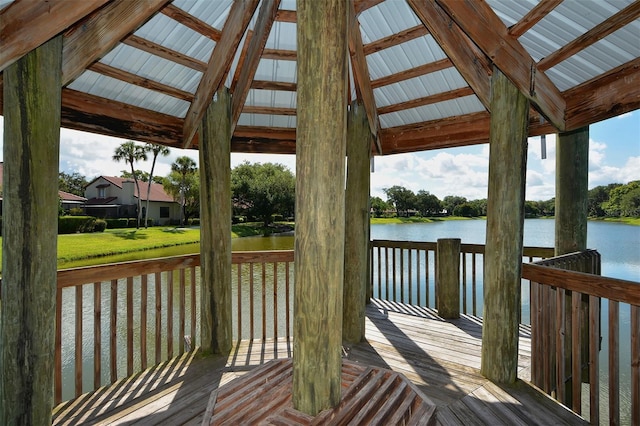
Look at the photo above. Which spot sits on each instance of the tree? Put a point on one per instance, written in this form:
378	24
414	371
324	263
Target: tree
451	201
428	204
140	174
624	200
181	181
155	150
263	190
379	206
466	210
401	198
73	183
129	152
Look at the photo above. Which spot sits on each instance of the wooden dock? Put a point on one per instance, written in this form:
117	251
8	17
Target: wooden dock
442	358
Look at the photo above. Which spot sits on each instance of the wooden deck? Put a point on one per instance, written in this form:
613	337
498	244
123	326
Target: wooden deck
442	358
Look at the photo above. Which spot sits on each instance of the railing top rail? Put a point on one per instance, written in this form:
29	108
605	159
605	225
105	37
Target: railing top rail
465	248
590	253
595	285
265	256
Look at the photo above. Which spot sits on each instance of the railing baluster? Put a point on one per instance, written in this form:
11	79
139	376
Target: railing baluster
614	363
264	301
288	302
546	348
78	341
251	327
143	321
560	342
97	335
410	286
57	357
474	301
170	314
193	307
594	358
386	273
464	282
576	359
129	326
635	364
426	278
275	300
158	343
183	285
239	301
113	350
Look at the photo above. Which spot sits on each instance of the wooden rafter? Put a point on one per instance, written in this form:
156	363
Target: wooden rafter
164	52
425	69
131	78
90	39
273	85
485	28
254	109
395	39
614	23
25	25
534	16
192	22
470	61
219	64
361	76
261	32
286	16
279	54
362	5
427	100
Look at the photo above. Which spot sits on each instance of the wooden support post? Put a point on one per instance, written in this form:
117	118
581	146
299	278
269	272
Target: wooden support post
356	239
320	179
571	212
32	102
448	278
215	226
505	223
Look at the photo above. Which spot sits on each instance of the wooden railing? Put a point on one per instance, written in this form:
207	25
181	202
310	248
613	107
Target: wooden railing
405	272
556	292
115	320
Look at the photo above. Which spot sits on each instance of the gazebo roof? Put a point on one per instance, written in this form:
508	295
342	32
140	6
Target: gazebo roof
147	70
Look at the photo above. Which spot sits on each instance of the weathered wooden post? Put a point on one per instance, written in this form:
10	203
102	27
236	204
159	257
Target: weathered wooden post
215	226
32	102
319	241
448	278
505	223
571	213
356	239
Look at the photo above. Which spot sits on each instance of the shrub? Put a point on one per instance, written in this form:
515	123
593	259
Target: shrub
99	225
132	222
194	221
76	211
277	218
117	223
74	224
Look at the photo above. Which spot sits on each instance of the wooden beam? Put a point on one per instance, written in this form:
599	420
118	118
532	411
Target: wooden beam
597	33
505	228
286	16
322	42
269	133
279	54
473	65
261	31
89	40
192	22
427	100
356	238
362	77
534	16
470	129
131	78
164	52
418	71
255	109
273	85
362	5
215	241
395	39
487	31
263	146
219	64
25	25
29	235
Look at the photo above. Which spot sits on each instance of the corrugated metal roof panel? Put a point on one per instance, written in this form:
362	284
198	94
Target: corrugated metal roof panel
271	98
282	36
419	87
5	3
386	19
263	120
171	34
153	67
110	88
276	70
465	105
420	51
511	11
213	12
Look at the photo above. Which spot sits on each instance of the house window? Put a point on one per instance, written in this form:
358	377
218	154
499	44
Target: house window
102	193
164	212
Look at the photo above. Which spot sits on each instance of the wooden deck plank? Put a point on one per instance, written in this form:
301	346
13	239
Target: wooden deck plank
441	358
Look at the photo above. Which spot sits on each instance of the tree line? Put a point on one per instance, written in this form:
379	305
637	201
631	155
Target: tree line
613	200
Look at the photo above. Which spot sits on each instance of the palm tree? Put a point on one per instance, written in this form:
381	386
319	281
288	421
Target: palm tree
184	166
129	152
156	150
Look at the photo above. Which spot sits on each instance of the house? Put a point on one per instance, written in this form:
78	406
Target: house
67	200
116	197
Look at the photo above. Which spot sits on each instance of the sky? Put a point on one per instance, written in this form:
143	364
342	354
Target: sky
614	157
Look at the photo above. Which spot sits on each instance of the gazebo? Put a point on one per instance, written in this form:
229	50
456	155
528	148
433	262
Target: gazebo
324	80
